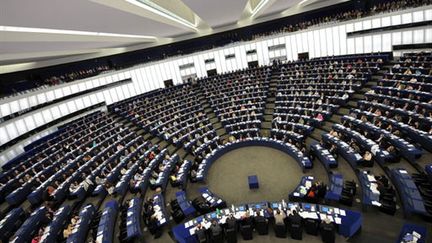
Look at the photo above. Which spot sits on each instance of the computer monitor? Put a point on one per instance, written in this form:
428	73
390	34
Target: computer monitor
307	206
324	209
258	206
241	208
275	205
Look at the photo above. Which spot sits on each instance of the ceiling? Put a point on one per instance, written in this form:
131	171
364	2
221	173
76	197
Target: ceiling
46	32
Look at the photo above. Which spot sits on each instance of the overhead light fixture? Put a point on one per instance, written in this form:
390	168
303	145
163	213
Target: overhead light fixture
70	32
258	8
157	9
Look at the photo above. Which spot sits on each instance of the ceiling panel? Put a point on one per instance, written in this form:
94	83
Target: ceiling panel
217	12
81	15
88	15
278	7
37	59
24	47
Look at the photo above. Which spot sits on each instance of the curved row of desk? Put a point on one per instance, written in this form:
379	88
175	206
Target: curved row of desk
348	221
290	149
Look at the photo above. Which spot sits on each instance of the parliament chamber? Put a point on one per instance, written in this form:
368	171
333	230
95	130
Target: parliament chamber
299	121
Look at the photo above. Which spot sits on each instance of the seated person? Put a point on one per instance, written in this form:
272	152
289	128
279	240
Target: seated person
231	222
201	233
69	229
154	229
295	219
367	159
394	154
279	217
215	228
327	230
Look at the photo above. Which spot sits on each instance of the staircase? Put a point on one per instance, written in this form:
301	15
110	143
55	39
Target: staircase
266	125
150	137
214	120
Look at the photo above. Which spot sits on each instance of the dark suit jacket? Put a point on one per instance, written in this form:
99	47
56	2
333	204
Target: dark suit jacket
295	219
231	223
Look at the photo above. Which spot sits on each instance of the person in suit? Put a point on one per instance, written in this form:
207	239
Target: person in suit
215	228
153	227
295	218
261	223
231	222
246	219
259	218
201	233
327	231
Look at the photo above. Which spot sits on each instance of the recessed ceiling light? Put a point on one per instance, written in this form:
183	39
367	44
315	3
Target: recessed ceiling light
69	32
260	5
157	9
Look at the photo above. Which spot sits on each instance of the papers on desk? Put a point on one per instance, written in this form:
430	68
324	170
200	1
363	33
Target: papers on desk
342	212
309	215
338	220
371	178
376	203
336	210
374	188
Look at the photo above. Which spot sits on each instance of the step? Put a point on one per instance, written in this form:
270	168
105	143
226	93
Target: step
364	90
268	117
217	125
358	96
265	132
172	148
343	111
371	83
271	99
182	153
155	140
310	140
336	118
214	120
352	104
270	105
139	132
266	124
147	136
327	126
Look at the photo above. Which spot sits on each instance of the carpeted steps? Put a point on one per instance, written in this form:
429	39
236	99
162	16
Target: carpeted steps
266	124
214	120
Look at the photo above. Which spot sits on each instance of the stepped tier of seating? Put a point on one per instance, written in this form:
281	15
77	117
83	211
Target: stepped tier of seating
238	99
391	124
118	164
309	92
